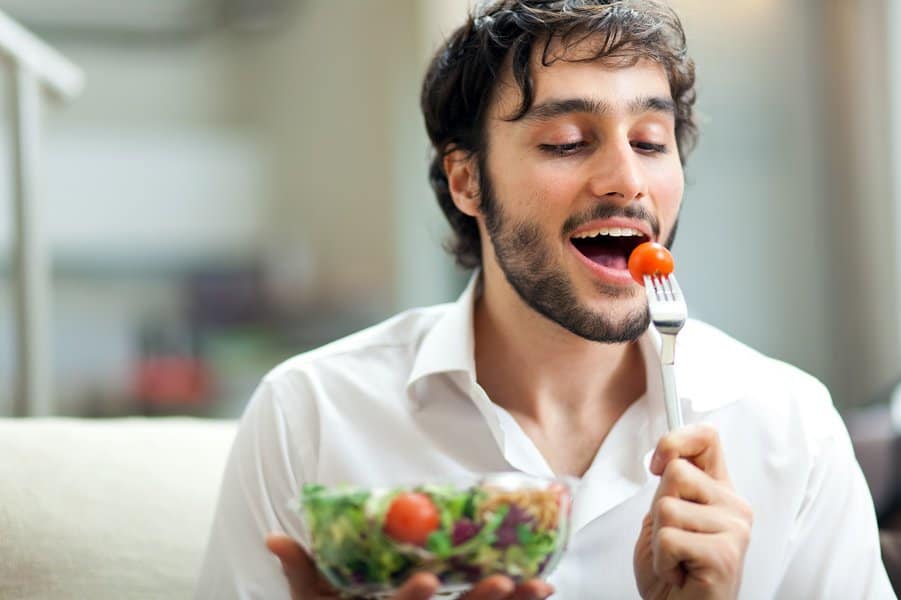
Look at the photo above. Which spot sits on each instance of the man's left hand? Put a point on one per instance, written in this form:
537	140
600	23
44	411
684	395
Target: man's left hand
306	583
694	538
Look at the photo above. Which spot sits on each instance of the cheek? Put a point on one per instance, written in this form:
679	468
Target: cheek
536	193
667	189
552	189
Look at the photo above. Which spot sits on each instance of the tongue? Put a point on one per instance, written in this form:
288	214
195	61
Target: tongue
610	252
613	261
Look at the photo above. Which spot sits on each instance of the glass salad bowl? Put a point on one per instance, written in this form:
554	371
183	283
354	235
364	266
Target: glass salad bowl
369	541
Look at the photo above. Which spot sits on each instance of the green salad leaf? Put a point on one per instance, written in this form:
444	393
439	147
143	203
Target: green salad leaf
351	548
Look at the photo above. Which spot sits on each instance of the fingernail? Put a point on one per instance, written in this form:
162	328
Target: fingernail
655	462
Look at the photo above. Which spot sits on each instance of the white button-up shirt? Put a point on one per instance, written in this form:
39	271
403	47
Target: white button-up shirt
400	402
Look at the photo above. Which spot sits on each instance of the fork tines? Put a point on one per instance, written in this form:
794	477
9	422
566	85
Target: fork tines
665	300
666	287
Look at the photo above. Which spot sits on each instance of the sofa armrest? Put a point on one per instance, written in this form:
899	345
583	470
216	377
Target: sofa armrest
107	508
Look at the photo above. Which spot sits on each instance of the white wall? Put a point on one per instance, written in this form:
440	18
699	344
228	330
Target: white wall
426	274
788	233
321	91
336	91
751	242
892	26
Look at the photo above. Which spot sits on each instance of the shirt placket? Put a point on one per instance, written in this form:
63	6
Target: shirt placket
618	471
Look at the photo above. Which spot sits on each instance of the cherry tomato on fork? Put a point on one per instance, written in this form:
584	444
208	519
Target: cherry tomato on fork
411	518
650	258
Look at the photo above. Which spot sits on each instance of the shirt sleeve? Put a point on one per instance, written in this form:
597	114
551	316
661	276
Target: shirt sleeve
834	547
264	472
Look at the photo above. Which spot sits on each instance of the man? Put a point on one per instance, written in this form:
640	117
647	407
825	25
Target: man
560	129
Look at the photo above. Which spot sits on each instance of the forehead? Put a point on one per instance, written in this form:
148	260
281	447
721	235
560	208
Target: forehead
570	72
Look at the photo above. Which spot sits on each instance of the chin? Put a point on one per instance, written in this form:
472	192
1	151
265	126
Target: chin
614	293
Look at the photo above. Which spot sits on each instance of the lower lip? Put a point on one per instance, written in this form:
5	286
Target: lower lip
609	275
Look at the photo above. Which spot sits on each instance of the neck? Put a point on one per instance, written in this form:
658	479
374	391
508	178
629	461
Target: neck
536	369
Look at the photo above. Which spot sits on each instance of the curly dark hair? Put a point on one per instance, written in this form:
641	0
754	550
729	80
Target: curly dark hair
461	79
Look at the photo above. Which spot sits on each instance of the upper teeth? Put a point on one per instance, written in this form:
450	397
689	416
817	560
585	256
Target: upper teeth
611	231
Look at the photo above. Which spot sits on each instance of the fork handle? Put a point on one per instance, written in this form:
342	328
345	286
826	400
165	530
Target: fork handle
671	398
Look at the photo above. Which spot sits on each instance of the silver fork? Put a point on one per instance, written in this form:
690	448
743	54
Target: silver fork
668	312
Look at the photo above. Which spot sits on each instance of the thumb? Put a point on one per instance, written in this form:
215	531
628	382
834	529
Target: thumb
420	586
297	565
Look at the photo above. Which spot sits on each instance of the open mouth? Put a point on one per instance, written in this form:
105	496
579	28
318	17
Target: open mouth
609	246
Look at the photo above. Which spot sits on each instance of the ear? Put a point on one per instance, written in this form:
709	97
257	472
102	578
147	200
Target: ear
463	181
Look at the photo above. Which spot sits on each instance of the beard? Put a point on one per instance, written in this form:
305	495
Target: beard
525	257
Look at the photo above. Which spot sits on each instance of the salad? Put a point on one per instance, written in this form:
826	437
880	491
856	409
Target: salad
367	541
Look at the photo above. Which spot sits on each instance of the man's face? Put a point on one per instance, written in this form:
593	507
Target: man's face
591	171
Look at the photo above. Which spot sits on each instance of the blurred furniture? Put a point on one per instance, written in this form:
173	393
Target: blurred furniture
890	540
35	68
107	509
876	434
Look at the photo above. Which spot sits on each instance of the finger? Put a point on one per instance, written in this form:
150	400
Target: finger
496	587
707	558
699	444
298	567
669	511
676	551
534	589
682	479
420	586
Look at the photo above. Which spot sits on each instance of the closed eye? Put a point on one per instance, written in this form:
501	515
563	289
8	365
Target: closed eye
563	149
649	148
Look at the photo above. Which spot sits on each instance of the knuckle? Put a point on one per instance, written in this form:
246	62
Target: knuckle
676	470
743	532
665	541
709	433
743	510
666	445
663	548
666	510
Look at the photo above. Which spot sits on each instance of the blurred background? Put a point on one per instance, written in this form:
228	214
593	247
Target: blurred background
243	180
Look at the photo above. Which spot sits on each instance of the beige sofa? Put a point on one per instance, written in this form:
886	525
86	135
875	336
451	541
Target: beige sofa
105	509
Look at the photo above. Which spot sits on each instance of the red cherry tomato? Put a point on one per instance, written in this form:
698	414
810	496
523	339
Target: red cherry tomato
563	498
650	258
411	518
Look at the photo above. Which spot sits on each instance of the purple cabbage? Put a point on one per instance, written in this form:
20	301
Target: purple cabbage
464	530
506	533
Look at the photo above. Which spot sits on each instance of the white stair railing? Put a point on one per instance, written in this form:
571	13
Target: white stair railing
35	67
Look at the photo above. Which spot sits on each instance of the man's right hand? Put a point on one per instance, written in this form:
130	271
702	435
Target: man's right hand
307	584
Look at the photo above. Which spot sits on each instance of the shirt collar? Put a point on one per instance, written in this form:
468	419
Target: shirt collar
449	346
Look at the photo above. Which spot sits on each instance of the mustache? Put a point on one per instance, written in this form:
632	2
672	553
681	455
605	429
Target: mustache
609	211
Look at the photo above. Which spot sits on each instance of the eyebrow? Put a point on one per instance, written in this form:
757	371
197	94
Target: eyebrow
555	108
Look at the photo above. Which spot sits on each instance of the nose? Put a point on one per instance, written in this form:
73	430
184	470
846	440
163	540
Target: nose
618	174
